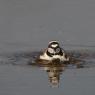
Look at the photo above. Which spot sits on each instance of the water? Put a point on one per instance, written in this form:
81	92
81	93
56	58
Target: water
26	27
17	76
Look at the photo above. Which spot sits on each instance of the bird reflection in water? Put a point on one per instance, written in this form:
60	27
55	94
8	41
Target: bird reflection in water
54	72
54	69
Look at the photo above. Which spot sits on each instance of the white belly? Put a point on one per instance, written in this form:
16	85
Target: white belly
46	57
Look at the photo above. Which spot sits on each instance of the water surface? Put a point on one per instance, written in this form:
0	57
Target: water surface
27	26
18	77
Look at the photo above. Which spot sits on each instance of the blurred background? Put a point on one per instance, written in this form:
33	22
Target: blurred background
28	25
31	24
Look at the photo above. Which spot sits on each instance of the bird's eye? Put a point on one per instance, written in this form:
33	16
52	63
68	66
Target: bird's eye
57	50
50	50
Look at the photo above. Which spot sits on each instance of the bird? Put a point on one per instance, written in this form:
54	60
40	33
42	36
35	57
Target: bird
53	54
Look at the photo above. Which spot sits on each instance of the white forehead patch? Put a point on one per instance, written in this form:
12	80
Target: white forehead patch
55	45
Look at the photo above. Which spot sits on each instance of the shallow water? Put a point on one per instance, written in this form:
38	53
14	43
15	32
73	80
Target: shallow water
18	77
26	26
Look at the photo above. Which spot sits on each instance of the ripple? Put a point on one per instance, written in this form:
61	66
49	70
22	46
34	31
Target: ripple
84	57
